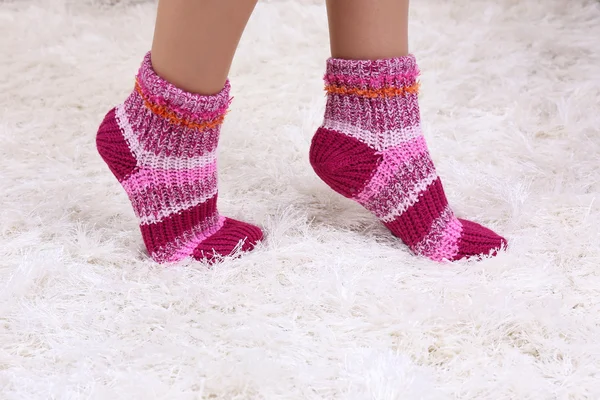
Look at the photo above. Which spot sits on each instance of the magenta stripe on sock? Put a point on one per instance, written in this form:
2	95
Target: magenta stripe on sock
415	223
158	235
393	159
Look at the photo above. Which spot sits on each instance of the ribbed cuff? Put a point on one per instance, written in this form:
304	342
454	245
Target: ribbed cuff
188	105
372	73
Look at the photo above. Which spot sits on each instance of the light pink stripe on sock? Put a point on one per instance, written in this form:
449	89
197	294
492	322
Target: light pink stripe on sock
393	159
149	176
184	246
177	199
442	242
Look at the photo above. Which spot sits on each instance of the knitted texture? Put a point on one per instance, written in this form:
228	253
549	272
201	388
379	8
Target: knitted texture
370	148
161	145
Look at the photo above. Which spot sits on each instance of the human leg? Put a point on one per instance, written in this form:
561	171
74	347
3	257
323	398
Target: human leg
370	147
368	30
195	41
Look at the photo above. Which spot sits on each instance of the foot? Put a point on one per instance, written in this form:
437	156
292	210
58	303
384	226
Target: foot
161	145
370	148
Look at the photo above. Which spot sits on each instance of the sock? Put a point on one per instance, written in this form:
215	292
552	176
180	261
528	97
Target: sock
370	148
161	146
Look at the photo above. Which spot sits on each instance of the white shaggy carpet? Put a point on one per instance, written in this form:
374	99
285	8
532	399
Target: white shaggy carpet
330	306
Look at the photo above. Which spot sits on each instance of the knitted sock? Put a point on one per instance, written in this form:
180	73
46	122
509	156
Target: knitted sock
370	148
161	145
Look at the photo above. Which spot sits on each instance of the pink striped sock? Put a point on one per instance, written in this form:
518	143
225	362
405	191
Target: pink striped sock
370	148
161	145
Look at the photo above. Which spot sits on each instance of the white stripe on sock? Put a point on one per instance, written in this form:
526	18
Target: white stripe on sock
378	141
155	161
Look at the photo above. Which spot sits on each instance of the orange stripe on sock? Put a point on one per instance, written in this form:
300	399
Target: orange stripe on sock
373	93
174	118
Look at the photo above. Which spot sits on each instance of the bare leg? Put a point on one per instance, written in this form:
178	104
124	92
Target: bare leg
368	30
195	40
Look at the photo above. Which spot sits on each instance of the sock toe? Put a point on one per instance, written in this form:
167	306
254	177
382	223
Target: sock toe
227	239
477	240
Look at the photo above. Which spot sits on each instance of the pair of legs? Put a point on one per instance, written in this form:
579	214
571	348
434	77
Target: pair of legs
161	142
195	40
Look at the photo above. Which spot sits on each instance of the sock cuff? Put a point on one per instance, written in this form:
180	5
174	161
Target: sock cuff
167	100
395	72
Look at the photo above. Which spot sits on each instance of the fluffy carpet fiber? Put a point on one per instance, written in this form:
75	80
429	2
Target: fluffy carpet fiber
329	306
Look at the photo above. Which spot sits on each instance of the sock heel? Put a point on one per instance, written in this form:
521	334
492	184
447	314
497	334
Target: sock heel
343	162
113	148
